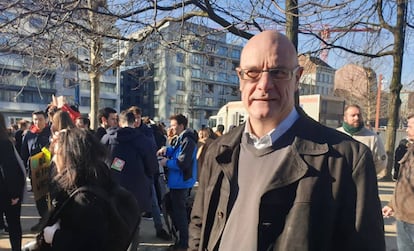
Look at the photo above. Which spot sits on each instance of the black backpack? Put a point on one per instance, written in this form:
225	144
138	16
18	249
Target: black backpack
124	215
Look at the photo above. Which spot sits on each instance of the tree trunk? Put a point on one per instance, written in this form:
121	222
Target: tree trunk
95	82
95	78
95	61
394	101
292	28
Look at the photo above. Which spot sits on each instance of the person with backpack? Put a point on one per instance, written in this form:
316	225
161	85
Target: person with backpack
92	212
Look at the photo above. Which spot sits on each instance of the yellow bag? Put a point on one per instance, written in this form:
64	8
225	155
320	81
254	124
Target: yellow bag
40	168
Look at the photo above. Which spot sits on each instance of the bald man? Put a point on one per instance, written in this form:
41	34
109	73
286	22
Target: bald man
282	181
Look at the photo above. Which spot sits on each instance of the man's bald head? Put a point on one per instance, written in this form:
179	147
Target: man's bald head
266	42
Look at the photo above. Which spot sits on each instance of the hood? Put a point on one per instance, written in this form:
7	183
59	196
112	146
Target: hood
127	134
189	133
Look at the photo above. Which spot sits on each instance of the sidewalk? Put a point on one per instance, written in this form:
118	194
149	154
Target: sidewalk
150	242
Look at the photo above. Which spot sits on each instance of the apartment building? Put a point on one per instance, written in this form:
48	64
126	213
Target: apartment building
27	82
185	68
23	89
317	78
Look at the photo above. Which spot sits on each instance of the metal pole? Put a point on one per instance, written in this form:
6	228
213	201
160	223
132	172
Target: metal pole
377	112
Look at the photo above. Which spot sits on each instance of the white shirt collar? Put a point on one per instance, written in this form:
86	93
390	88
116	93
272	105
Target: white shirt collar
274	134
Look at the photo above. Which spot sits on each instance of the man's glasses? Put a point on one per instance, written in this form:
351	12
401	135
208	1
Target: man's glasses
275	73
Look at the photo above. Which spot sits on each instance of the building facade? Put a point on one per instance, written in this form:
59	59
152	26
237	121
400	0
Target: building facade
23	89
195	76
317	78
358	85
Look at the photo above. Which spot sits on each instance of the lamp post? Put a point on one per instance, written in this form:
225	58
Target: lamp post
377	112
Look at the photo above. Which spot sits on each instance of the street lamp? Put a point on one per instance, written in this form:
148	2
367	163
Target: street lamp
377	111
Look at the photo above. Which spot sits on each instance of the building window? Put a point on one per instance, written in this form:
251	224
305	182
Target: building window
179	99
209	101
196	73
196	100
210	75
209	47
222	51
234	65
221	90
235	53
179	71
196	86
180	85
156	85
209	88
107	102
197	59
235	91
145	100
221	63
180	57
210	61
196	45
234	78
222	101
178	110
222	77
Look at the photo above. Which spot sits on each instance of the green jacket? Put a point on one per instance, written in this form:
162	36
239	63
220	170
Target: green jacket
325	199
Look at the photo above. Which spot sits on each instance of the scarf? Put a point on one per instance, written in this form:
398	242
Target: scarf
350	129
34	129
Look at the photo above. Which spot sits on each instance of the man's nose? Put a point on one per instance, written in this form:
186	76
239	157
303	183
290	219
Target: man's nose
265	82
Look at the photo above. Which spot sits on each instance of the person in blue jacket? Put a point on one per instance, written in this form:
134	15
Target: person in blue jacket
180	160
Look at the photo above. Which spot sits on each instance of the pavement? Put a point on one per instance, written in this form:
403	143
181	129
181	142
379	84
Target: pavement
150	242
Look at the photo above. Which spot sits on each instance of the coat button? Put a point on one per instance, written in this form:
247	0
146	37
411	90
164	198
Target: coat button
220	214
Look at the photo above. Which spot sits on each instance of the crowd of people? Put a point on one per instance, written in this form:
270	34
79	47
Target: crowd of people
281	181
126	146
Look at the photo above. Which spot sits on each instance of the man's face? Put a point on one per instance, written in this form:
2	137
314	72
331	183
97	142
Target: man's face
112	120
137	122
266	97
39	120
175	127
79	123
410	129
353	117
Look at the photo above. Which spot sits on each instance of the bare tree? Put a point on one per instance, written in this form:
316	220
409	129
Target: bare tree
96	26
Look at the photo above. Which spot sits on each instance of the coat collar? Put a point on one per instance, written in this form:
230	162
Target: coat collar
302	143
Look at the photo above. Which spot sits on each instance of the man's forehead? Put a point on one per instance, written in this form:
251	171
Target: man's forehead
269	58
38	116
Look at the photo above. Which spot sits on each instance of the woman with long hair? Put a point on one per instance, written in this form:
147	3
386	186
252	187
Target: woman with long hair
12	180
61	120
83	219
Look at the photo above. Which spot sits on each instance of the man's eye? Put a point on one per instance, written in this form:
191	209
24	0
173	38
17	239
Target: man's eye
253	73
279	72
